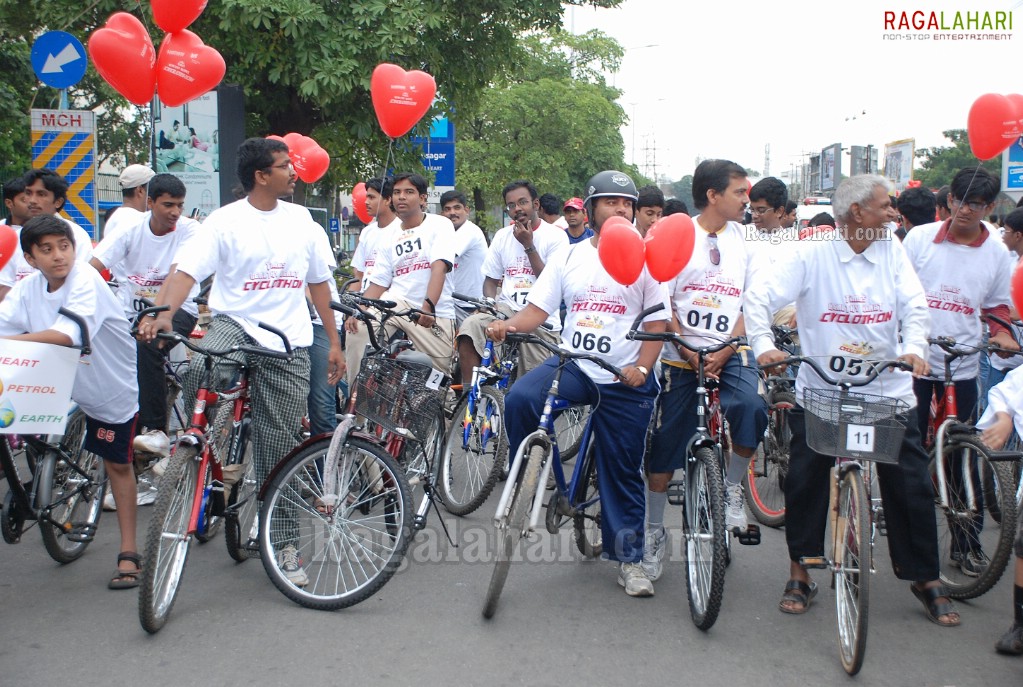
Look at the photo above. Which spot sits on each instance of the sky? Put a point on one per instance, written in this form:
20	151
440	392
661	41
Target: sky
727	78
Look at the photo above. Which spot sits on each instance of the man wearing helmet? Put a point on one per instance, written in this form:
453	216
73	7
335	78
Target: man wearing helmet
577	277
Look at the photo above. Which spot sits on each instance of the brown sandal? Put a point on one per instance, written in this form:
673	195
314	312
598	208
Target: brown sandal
929	598
126	579
798	592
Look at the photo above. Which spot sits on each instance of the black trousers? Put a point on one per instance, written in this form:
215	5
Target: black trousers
152	382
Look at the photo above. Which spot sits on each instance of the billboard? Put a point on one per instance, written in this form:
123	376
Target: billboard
1012	169
831	166
898	162
438	155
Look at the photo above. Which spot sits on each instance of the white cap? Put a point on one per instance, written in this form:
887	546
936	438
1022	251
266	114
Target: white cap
134	176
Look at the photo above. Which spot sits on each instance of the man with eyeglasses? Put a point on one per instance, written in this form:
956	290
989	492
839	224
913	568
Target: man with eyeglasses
517	256
965	273
706	301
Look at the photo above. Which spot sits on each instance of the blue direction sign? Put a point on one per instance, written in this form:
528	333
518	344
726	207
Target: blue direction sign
58	59
335	225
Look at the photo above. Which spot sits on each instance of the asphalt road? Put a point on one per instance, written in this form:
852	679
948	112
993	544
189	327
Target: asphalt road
562	621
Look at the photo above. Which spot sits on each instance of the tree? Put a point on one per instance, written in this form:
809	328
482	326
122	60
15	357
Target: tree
683	190
941	163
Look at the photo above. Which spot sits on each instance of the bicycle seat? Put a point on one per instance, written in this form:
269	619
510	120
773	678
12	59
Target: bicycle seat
416	358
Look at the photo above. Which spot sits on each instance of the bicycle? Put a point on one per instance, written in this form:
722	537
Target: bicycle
191	489
701	493
64	494
966	474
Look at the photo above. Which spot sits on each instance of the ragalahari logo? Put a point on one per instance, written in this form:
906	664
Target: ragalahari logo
948	25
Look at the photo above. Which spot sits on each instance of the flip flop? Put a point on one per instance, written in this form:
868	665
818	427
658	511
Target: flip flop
929	598
798	592
126	579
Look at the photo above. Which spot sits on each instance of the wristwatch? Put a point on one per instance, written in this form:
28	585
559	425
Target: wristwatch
642	369
529	250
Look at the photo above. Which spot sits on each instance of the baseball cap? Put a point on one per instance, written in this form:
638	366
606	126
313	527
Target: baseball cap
574	203
134	176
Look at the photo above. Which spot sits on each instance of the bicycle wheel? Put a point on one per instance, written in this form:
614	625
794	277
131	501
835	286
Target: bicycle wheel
71	487
347	519
509	534
852	570
240	533
704	512
963	530
588	537
765	481
168	538
474	453
568	427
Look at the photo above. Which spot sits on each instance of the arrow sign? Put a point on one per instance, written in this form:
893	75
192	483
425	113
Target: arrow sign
58	59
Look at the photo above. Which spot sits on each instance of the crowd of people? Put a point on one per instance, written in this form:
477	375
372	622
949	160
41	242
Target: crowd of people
864	283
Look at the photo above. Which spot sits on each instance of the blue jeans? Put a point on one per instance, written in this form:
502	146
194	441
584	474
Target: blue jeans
322	403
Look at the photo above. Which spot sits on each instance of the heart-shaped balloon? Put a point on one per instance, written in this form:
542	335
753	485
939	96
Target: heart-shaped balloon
400	98
124	56
9	239
621	250
359	203
311	161
992	125
186	68
1016	287
177	15
293	141
669	245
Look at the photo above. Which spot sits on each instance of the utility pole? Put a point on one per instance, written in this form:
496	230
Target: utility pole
767	160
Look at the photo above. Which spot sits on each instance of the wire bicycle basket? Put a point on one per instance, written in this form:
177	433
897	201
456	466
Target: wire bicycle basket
397	395
852	425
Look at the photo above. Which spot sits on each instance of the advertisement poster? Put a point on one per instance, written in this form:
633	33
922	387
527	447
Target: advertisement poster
831	168
188	146
898	162
35	387
1012	168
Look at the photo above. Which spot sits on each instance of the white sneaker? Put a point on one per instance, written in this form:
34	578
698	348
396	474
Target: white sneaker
655	544
153	441
735	509
291	565
160	466
634	579
108	502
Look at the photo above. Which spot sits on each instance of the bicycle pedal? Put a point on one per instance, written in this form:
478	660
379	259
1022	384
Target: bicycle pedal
749	537
814	562
80	533
676	492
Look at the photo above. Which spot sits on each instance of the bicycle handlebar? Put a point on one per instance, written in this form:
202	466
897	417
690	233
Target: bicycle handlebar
288	354
523	337
955	350
876	368
86	347
636	335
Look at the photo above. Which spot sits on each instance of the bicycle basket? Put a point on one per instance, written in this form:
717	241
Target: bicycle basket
394	394
851	425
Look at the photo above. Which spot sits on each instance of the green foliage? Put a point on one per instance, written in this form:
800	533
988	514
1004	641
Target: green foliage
940	164
683	190
15	151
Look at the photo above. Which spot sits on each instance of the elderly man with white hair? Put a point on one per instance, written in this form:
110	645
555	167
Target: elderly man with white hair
852	289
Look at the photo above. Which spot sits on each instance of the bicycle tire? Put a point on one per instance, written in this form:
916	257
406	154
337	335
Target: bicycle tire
568	427
509	535
167	538
705	534
588	537
239	519
765	480
852	570
995	540
348	554
71	498
470	469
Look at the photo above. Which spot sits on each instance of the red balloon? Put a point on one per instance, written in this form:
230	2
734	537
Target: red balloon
293	140
8	244
359	203
124	56
669	245
186	68
621	250
993	125
400	98
1017	287
177	15
311	162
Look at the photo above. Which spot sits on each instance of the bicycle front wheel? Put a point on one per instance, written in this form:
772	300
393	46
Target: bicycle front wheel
765	481
474	452
240	533
168	538
852	570
588	537
706	554
333	531
509	534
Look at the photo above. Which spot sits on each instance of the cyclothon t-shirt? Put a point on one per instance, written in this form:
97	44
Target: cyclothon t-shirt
17	268
263	261
404	267
507	261
600	311
372	237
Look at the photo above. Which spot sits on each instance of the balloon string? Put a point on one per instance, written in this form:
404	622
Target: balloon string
976	170
387	159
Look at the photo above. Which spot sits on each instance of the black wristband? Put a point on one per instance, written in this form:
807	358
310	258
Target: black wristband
433	306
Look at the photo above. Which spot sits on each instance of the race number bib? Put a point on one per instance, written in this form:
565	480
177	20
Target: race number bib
851	358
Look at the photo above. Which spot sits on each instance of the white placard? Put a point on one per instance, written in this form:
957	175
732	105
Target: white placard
435	379
35	387
859	438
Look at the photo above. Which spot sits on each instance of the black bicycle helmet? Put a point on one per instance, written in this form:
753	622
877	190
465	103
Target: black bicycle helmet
609	183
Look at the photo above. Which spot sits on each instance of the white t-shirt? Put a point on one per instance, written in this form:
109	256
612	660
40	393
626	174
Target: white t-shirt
140	260
771	246
17	268
600	310
708	298
105	386
507	261
323	246
470	252
263	261
404	267
959	281
122	219
371	239
1005	397
849	308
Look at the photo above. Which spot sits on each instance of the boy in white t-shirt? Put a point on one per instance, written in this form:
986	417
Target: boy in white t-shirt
470	250
105	386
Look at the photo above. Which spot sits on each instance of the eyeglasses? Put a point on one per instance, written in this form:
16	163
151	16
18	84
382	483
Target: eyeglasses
287	166
759	211
976	205
520	203
715	254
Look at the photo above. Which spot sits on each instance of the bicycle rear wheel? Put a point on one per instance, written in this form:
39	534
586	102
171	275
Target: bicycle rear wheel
704	512
588	537
474	453
852	570
240	533
568	426
349	523
509	534
168	538
765	481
